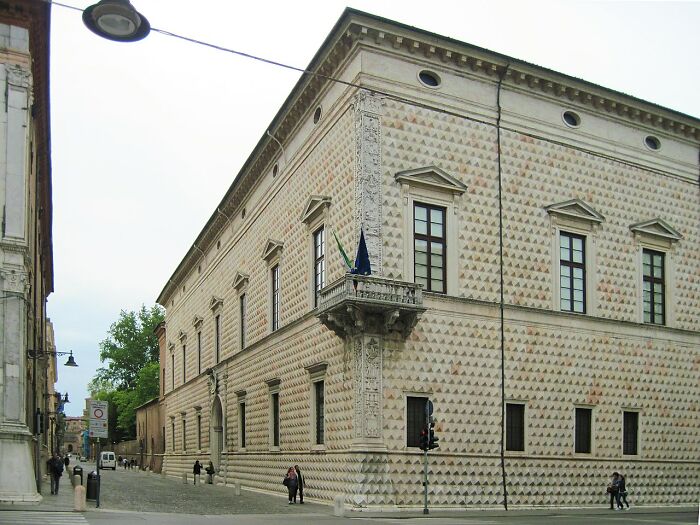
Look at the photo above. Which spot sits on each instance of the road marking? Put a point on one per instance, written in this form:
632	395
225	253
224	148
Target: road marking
423	521
15	517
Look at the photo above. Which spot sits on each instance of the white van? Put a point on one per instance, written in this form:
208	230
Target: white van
107	460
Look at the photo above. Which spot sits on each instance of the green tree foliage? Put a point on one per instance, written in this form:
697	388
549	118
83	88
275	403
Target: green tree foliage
131	377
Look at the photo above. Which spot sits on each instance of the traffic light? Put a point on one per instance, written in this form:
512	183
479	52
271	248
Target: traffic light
432	438
424	439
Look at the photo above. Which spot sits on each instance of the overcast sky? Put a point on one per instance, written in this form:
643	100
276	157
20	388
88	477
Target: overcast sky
147	136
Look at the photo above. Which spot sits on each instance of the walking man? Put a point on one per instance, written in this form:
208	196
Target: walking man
196	471
55	471
300	484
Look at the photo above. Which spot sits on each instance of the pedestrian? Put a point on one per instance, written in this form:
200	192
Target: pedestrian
614	491
196	470
300	484
210	473
55	471
119	459
124	462
66	461
622	491
291	482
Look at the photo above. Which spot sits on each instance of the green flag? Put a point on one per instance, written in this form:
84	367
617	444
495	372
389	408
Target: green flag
346	259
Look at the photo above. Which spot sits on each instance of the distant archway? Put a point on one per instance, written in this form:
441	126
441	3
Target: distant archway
216	433
70	447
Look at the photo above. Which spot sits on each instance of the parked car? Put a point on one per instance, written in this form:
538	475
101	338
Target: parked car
82	458
107	460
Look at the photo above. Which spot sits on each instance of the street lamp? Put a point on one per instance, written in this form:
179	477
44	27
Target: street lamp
116	20
38	354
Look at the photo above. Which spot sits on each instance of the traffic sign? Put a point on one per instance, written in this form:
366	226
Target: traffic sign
99	426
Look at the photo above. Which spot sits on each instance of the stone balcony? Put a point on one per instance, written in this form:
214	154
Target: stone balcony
355	304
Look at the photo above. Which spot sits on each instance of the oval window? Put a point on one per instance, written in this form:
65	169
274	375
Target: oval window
571	119
317	115
429	78
275	169
652	143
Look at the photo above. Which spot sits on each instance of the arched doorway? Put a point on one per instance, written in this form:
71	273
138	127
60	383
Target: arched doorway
216	433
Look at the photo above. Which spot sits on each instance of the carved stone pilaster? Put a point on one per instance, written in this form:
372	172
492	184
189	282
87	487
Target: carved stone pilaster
15	281
368	389
19	77
368	177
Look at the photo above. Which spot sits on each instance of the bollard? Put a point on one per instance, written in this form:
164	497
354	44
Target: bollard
339	506
184	478
237	488
79	504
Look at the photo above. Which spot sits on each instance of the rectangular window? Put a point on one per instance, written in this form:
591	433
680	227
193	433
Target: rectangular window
242	312
582	437
199	353
275	276
572	272
515	427
319	411
275	413
184	354
429	247
184	435
163	380
415	420
217	338
630	433
172	367
319	263
241	422
654	288
199	431
172	429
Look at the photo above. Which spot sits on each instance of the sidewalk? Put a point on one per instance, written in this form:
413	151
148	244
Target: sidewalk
61	502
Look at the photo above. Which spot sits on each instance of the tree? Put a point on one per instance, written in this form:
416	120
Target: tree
131	345
131	377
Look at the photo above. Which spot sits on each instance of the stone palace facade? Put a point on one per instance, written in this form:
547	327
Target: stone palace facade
535	274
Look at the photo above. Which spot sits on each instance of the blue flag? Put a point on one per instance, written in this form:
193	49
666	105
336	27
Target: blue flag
362	265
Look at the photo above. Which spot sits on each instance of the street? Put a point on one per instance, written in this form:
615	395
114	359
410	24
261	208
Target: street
136	497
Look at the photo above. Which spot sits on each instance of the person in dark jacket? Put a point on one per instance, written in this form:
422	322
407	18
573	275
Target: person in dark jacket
196	471
614	491
300	484
622	491
55	472
210	473
290	480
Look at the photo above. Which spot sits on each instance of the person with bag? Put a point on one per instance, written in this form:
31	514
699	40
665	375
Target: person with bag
55	471
210	473
291	482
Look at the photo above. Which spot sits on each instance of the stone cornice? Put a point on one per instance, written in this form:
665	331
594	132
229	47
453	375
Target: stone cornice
355	29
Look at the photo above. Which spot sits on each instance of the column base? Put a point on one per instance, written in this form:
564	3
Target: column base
17	484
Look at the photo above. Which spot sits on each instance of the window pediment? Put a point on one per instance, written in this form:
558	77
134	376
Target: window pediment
215	303
272	249
182	336
657	228
171	347
433	178
576	210
197	322
240	281
315	206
